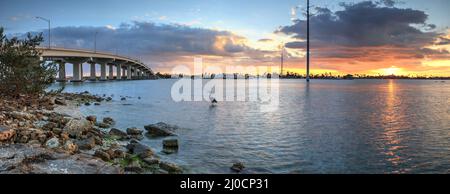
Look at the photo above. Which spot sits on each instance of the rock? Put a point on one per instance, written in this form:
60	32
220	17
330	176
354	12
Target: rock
170	146
21	115
52	143
70	147
57	131
97	104
118	133
160	129
103	125
134	166
151	161
87	104
123	98
92	118
103	155
237	167
49	126
119	154
64	136
170	143
60	101
29	159
141	150
109	121
34	142
169	167
134	131
77	127
6	134
108	99
86	144
42	138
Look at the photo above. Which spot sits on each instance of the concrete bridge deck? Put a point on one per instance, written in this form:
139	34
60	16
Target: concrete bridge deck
126	68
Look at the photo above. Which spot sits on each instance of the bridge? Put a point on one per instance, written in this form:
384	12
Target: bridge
126	68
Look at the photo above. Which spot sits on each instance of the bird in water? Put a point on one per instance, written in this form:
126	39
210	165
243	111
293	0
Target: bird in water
213	100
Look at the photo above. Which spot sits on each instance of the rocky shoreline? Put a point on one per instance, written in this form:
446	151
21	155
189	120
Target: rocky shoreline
50	135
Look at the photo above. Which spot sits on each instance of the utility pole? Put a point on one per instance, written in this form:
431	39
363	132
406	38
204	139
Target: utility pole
48	21
307	40
282	60
95	42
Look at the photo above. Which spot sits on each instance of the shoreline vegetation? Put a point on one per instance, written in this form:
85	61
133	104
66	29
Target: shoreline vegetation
48	134
289	75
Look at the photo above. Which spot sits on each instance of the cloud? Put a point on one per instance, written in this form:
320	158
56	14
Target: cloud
367	24
142	38
161	45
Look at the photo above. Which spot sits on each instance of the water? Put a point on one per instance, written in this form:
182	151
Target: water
328	126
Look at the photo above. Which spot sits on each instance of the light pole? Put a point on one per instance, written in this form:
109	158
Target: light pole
48	21
95	42
307	41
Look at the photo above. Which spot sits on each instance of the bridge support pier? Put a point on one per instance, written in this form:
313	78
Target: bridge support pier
93	75
77	72
129	72
124	70
118	71
111	72
139	73
62	71
102	71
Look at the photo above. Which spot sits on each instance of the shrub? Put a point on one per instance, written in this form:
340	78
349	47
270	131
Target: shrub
22	72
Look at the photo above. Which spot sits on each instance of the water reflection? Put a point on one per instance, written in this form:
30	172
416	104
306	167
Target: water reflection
352	126
393	124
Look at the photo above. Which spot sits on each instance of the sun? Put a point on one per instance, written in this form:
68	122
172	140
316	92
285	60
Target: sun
391	70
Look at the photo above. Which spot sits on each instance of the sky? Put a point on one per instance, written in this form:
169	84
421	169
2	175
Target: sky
347	36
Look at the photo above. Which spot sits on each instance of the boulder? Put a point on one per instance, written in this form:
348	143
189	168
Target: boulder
109	121
118	133
151	161
52	143
49	126
92	118
102	125
141	150
29	159
134	166
86	144
21	115
169	167
160	129
102	155
97	104
77	127
118	154
237	167
170	143
57	131
134	131
70	147
6	134
60	101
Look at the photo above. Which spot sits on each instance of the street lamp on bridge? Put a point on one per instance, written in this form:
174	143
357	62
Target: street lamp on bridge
95	42
48	21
